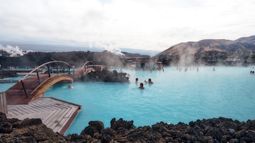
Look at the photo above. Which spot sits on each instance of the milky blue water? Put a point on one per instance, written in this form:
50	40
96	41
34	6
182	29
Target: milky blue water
174	97
5	86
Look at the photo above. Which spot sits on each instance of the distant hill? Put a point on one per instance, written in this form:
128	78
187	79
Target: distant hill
67	47
247	40
211	52
29	54
76	58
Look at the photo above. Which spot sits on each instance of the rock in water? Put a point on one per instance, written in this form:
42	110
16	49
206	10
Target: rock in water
106	76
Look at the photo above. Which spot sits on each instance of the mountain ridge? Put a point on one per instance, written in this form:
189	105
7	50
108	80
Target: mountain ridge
210	52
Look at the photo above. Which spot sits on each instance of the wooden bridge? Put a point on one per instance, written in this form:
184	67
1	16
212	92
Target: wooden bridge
34	85
40	79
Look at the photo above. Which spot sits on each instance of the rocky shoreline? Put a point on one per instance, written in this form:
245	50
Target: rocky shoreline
206	130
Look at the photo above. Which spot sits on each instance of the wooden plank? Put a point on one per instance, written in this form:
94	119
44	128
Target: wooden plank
3	104
57	122
23	111
57	117
65	120
55	114
48	120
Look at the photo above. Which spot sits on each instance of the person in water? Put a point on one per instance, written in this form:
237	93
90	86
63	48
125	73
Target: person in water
70	86
150	81
136	80
145	81
141	86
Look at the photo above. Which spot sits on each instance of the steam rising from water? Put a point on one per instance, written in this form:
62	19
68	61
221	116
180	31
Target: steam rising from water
113	49
13	51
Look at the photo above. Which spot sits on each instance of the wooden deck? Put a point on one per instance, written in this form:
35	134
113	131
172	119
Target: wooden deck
54	113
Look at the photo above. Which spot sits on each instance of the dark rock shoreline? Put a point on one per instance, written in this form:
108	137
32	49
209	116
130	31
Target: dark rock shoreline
207	130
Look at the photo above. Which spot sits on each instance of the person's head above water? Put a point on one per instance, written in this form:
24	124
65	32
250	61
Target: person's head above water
150	81
141	86
136	79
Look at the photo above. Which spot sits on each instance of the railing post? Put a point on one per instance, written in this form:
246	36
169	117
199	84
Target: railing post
3	103
48	70
69	70
57	70
38	77
24	88
73	70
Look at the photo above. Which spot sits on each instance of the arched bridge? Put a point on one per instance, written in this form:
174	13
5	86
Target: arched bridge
37	81
40	79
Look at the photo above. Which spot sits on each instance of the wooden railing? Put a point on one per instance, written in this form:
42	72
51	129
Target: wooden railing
3	104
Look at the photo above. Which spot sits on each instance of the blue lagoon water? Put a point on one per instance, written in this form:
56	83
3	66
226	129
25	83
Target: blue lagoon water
5	86
174	97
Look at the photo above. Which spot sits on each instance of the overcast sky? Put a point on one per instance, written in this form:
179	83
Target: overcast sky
142	24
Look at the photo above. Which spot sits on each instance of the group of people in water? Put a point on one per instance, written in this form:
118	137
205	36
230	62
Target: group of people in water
252	71
141	86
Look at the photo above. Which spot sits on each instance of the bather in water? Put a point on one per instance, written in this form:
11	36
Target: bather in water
150	81
141	86
136	80
70	86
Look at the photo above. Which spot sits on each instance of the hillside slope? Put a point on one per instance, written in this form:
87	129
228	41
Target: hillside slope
211	52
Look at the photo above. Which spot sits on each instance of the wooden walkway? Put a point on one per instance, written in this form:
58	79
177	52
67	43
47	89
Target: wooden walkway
54	113
16	94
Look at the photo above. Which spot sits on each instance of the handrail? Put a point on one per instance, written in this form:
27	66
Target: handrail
86	63
42	65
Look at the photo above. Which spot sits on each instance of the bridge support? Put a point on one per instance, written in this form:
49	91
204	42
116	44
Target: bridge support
24	88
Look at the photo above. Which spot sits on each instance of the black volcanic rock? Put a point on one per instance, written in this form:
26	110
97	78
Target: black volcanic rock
93	128
121	124
106	76
206	130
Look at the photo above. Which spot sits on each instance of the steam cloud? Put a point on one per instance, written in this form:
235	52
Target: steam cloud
13	51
